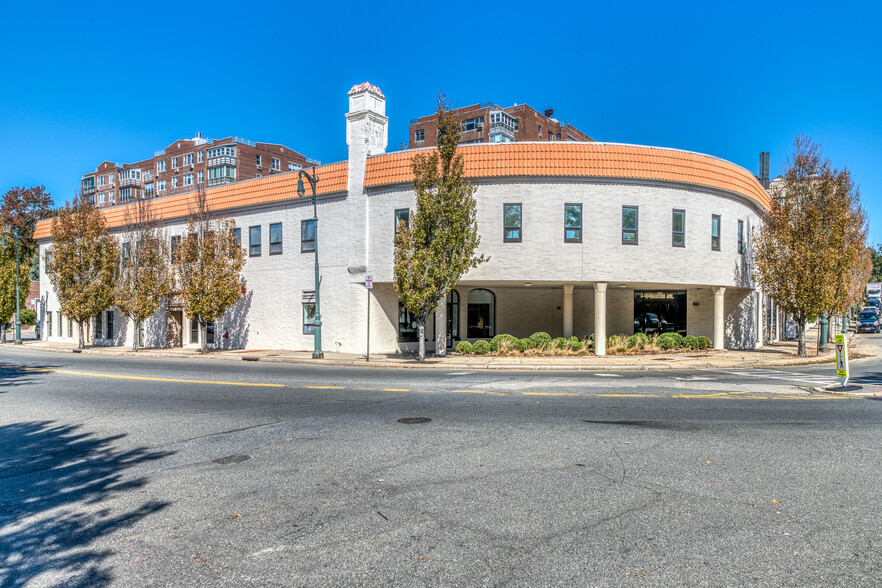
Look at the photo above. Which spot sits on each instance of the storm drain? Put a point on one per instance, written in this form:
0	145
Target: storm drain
231	459
414	420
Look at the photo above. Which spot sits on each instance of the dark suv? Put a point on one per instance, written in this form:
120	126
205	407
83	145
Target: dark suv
868	322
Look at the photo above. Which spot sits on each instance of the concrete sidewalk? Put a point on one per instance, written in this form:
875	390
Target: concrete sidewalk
776	354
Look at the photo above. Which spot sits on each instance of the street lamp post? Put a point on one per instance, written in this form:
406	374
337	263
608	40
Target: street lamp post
317	322
14	234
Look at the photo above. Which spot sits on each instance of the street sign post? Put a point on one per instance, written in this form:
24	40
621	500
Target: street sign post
369	285
841	359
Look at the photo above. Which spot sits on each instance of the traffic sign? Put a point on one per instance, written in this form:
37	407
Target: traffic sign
369	282
841	359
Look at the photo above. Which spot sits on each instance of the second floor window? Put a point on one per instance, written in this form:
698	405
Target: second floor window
741	237
678	229
573	223
200	176
419	136
160	186
277	165
715	232
160	166
174	162
401	214
175	182
254	241
307	236
472	124
629	225
275	239
188	179
511	223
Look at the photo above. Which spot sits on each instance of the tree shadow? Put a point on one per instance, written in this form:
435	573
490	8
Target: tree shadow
12	375
235	323
55	482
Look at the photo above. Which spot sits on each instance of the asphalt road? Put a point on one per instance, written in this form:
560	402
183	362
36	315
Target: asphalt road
138	471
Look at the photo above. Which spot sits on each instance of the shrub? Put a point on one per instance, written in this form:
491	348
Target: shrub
638	341
495	341
616	344
540	340
28	316
464	347
481	347
523	345
670	340
691	342
559	343
704	343
574	344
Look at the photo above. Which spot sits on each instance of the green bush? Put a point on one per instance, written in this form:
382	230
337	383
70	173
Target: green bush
559	343
691	342
670	340
28	316
540	340
704	343
494	342
615	344
464	347
481	347
574	344
638	341
523	345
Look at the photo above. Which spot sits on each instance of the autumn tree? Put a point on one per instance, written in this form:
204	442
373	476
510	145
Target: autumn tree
145	273
208	265
22	208
82	262
7	286
812	241
438	245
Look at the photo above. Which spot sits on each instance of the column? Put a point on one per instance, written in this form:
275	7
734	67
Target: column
441	328
568	310
759	319
600	318
719	316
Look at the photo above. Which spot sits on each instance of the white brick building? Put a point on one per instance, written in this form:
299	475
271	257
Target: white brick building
657	236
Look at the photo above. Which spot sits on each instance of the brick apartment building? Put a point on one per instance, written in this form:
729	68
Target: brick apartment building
186	165
490	123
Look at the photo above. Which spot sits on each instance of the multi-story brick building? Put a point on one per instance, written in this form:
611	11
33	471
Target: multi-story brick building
185	165
490	123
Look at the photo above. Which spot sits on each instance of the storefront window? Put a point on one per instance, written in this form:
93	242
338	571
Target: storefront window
660	312
482	314
407	327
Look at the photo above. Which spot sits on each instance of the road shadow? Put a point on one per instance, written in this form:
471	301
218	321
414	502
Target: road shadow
12	375
57	489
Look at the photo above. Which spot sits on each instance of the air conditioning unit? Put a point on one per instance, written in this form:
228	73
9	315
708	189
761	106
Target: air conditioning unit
191	166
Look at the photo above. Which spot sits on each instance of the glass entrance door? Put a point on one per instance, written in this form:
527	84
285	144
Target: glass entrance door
452	318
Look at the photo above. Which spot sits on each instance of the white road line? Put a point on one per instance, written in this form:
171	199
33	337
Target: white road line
459	373
607	375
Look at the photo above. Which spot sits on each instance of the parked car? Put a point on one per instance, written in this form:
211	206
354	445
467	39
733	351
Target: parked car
868	321
650	323
872	309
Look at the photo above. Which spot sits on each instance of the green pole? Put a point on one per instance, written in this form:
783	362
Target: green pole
822	346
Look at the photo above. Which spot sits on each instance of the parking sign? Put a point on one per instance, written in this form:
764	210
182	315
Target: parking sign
369	282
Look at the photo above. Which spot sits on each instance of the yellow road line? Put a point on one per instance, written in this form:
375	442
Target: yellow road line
141	378
362	389
471	391
549	394
326	387
396	389
628	395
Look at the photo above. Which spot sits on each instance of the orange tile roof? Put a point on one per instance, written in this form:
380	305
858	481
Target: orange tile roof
602	160
331	178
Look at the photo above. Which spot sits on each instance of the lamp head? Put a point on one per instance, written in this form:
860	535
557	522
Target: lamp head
300	190
3	244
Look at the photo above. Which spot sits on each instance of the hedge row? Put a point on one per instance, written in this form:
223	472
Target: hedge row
542	341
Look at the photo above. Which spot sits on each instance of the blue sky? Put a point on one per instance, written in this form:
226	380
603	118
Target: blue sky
85	82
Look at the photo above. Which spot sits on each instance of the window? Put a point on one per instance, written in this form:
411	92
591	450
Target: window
629	225
209	333
188	159
407	329
275	239
160	166
126	254
221	174
175	244
99	327
741	237
540	132
452	317
110	179
109	321
419	136
101	198
481	314
69	328
58	316
257	157
715	232
293	166
678	228
100	181
194	331
557	137
572	223
110	196
237	237
200	156
228	151
550	136
160	185
511	223
174	163
473	124
175	182
125	194
401	214
277	165
308	303
188	179
307	236
200	176
254	241
48	324
148	190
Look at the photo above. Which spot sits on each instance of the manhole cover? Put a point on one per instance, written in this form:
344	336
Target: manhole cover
414	420
231	459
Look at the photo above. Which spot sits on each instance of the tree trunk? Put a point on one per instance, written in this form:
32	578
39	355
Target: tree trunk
800	337
82	342
136	334
3	333
203	336
421	329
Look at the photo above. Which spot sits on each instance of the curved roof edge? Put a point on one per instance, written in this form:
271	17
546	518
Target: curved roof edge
582	159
